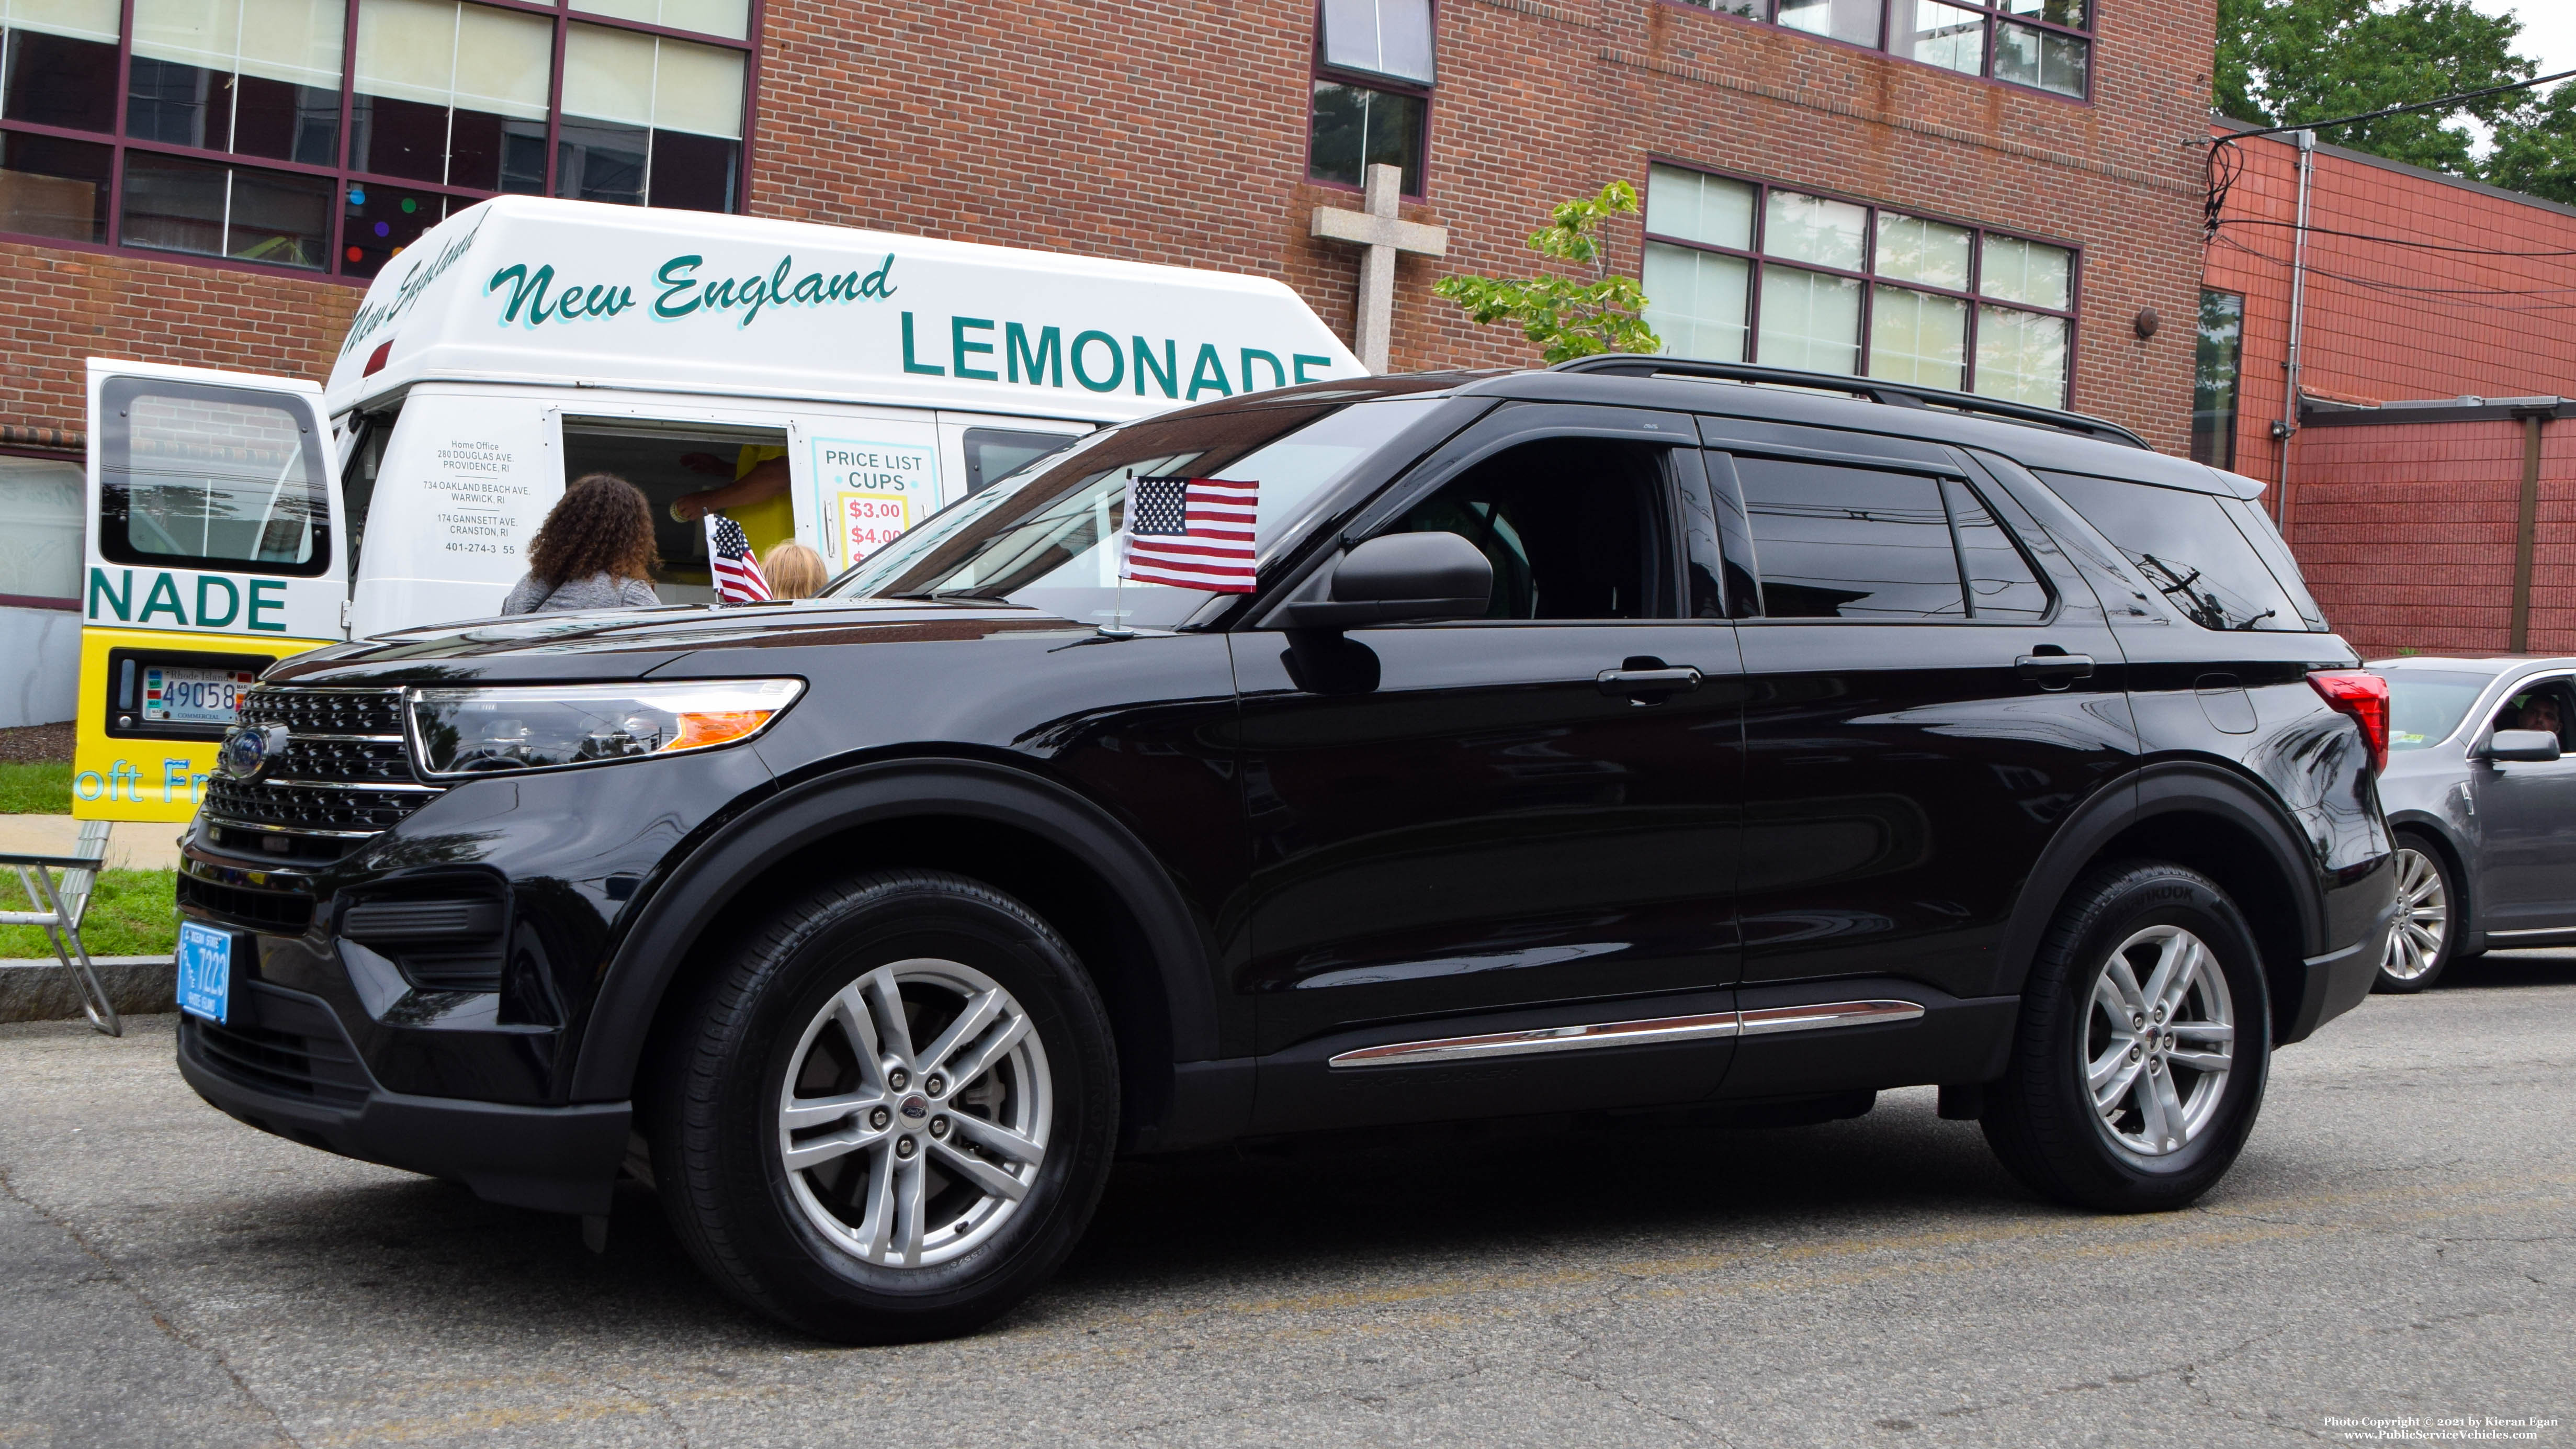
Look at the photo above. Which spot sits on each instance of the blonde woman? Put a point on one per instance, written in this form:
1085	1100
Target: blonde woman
793	571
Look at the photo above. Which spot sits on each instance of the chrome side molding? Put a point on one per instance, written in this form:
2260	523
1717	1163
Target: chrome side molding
1653	1031
1830	1014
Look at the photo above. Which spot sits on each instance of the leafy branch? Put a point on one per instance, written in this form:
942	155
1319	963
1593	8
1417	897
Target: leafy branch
1566	316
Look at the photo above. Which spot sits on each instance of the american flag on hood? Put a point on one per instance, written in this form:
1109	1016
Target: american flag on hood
729	558
1192	532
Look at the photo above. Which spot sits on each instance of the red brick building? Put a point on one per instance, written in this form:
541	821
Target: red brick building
1987	193
2431	488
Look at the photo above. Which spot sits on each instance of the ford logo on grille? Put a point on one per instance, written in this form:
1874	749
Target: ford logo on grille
251	750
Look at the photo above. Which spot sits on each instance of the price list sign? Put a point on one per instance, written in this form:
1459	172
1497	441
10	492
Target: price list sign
872	491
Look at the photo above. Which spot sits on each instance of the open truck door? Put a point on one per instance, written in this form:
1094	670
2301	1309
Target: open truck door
212	550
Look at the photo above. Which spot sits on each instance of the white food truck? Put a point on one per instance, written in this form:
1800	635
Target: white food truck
235	519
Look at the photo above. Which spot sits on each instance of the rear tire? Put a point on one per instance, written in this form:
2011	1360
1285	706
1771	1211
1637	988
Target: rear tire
2145	1037
2430	919
890	1115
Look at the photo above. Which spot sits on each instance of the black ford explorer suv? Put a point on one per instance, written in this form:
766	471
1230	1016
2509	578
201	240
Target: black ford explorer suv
1624	735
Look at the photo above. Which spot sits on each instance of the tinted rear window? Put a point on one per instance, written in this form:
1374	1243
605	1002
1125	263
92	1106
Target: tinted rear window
2188	548
2257	527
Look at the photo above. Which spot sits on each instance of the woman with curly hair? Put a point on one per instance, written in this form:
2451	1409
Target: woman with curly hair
594	551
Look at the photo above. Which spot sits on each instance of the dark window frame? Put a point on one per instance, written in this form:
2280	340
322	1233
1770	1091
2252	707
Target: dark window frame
342	174
2234	413
1869	277
1319	71
1766	11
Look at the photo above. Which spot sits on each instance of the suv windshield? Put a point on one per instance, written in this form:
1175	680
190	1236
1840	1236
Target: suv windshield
2425	705
1049	536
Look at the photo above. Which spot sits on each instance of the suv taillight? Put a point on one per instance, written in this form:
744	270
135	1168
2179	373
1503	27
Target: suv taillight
2364	696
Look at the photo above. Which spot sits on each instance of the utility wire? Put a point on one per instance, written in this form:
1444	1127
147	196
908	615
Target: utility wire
2226	164
2423	297
2394	241
2442	103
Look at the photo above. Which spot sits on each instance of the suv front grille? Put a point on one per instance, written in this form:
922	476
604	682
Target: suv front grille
312	807
343	776
371	712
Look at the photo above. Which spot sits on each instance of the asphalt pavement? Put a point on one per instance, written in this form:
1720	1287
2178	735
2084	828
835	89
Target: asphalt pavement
2398	1243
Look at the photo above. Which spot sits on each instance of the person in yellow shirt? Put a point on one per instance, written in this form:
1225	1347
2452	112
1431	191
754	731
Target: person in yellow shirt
756	498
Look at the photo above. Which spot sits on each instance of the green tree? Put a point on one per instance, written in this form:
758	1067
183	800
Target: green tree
2285	62
1566	316
2535	148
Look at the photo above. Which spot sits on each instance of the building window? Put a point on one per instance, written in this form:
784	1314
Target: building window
1372	90
325	135
1743	271
2044	44
40	550
2215	378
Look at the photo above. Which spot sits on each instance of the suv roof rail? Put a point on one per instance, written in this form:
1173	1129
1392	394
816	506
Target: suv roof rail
1638	364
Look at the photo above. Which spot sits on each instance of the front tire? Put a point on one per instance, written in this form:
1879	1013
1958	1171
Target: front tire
2430	919
890	1115
2145	1038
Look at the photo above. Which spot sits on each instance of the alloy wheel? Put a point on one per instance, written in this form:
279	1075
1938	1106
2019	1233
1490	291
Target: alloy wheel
2423	917
908	1156
2159	1041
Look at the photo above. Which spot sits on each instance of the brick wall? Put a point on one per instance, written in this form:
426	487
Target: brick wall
2406	533
1176	132
64	306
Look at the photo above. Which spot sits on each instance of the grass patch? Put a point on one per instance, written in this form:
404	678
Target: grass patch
130	914
41	788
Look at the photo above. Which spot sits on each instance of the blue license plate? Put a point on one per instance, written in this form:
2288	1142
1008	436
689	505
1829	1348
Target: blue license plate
205	971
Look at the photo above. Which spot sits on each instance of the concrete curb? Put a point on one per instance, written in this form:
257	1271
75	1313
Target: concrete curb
42	990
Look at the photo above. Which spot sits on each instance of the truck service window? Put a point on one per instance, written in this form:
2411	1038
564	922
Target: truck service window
670	460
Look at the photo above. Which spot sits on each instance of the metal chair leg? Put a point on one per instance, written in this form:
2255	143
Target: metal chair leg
95	1003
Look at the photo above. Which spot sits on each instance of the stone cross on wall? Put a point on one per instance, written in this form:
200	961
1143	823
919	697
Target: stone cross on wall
1377	227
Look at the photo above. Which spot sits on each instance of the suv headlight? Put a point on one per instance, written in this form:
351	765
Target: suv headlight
465	732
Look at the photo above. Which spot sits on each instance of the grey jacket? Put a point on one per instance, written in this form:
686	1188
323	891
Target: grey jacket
599	591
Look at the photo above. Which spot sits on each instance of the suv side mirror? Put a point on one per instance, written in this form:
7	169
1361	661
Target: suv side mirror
2535	746
1392	577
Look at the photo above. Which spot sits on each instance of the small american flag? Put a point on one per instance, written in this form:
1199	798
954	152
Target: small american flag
729	558
1193	532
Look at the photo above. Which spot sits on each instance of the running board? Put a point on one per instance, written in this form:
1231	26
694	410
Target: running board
1652	1031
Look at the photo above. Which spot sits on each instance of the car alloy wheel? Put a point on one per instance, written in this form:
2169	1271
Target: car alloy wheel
2423	918
907	1155
2159	1041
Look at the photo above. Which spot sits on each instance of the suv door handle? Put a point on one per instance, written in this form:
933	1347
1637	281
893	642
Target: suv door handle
1635	682
2054	671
